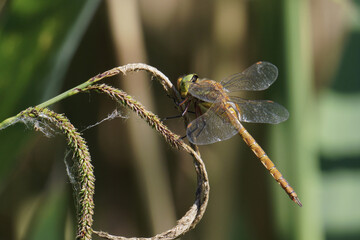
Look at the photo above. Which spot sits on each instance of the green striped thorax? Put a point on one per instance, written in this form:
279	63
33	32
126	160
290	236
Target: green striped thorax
184	82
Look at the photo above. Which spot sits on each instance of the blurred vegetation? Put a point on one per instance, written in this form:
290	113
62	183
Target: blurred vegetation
143	186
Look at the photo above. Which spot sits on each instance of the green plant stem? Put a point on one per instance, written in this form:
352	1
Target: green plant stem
49	102
64	95
132	67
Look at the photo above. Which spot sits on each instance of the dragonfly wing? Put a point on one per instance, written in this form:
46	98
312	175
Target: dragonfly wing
260	111
257	77
205	90
210	127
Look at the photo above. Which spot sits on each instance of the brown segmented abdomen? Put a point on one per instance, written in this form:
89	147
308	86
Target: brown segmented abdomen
269	165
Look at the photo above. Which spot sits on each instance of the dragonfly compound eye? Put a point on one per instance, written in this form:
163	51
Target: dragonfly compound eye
194	78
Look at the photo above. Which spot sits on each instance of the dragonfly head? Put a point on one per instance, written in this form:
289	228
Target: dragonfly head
184	82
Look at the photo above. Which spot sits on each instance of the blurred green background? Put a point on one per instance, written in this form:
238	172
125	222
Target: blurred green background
142	185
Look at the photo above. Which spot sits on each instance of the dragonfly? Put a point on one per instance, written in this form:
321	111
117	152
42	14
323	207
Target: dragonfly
220	114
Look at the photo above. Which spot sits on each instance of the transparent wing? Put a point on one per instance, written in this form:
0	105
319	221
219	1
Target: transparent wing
206	90
257	77
260	111
210	127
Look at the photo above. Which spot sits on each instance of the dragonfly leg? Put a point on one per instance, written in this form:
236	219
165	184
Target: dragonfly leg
184	101
183	137
171	117
188	102
186	109
177	116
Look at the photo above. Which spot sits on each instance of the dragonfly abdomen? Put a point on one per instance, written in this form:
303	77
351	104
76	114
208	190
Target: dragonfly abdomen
268	164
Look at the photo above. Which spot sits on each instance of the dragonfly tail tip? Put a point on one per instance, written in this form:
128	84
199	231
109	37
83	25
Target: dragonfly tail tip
297	201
